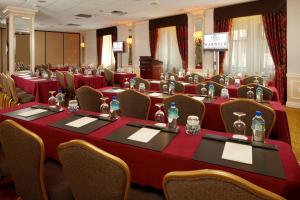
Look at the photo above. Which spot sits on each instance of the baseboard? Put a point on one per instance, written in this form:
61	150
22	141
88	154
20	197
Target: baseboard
292	104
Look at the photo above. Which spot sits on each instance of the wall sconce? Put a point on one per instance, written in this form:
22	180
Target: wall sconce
198	37
129	42
82	45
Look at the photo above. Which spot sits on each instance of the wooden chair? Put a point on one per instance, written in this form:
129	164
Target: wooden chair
70	83
216	78
242	91
200	78
32	178
89	98
249	107
251	79
218	87
61	78
186	106
109	77
179	87
134	104
211	184
173	74
139	80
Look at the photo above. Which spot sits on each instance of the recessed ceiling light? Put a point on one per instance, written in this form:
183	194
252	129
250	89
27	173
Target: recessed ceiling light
42	1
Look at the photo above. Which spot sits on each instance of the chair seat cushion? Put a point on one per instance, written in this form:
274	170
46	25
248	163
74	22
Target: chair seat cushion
18	89
4	171
56	184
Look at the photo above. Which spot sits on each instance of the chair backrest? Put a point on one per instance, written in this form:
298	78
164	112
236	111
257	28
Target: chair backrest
70	82
24	153
218	87
200	78
173	74
251	79
249	107
210	184
12	88
134	104
61	78
89	98
216	78
179	87
109	77
186	106
139	80
242	91
92	172
5	86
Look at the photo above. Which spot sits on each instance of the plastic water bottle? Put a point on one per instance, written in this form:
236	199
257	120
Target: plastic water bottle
258	127
171	88
114	107
211	90
195	79
259	94
172	115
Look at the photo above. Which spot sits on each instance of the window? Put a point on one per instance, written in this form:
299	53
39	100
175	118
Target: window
167	49
248	50
108	58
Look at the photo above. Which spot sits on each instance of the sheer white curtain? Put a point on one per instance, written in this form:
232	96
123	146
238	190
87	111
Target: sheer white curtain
248	50
167	49
108	58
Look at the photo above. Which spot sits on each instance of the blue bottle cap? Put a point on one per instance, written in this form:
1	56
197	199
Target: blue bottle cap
114	97
173	103
258	113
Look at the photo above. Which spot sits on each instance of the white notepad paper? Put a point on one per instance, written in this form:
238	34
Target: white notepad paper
199	98
154	81
32	112
144	135
118	90
237	152
184	83
155	94
81	122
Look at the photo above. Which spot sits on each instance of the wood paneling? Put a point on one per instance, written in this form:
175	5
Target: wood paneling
40	48
3	50
71	48
54	48
22	49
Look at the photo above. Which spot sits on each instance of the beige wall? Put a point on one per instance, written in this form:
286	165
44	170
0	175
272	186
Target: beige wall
3	62
90	48
40	47
22	53
71	48
293	44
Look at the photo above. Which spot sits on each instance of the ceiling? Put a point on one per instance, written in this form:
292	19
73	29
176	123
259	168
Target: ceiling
54	15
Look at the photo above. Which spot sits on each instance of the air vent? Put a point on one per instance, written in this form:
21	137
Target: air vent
71	24
118	12
84	15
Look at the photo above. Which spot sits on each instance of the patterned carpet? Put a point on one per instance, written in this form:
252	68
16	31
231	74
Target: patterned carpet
293	116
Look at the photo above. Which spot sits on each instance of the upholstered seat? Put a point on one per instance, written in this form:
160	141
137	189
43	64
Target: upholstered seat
251	79
134	104
242	91
139	80
186	106
200	78
249	107
218	87
32	179
70	83
89	98
210	184
216	78
109	77
179	87
61	78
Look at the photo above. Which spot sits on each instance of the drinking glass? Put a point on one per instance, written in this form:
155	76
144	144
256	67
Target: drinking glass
104	107
142	87
256	80
52	100
203	89
192	126
159	115
126	83
73	106
224	93
250	93
165	88
239	126
132	83
221	80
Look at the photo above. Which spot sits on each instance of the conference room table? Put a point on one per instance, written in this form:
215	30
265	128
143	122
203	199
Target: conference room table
212	119
119	77
191	89
148	167
37	86
94	81
53	69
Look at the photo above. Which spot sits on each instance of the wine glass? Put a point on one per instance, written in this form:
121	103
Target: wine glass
239	126
250	93
132	83
126	83
52	100
159	115
142	87
256	80
222	81
203	89
104	107
73	106
162	77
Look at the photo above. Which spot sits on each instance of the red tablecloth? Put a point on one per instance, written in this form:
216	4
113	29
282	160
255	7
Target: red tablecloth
213	121
120	76
89	80
148	167
38	87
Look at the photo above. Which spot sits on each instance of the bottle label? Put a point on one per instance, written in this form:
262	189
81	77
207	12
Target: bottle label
258	136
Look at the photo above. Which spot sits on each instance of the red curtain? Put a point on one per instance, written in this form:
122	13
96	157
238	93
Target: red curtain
153	37
182	39
275	30
222	25
99	49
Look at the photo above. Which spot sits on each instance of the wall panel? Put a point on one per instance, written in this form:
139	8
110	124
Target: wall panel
54	48
72	48
3	50
40	47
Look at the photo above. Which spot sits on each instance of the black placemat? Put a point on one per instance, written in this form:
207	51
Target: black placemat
157	143
15	113
266	161
86	129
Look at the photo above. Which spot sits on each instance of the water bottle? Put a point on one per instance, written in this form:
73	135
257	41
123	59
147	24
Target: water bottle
258	127
171	88
259	94
114	107
211	90
172	115
226	81
195	79
190	79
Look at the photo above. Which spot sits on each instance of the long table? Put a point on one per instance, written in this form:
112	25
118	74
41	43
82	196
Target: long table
37	86
213	121
94	81
148	167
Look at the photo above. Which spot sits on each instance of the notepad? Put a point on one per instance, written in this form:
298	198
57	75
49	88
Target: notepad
237	152
155	94
154	81
144	135
118	90
32	112
81	122
184	83
199	98
41	79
